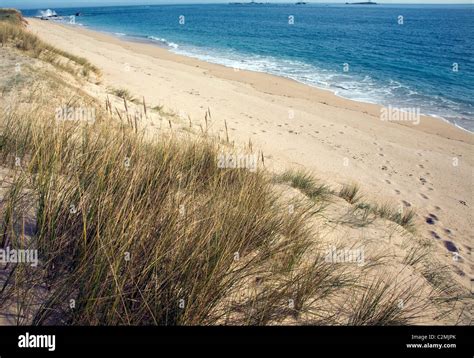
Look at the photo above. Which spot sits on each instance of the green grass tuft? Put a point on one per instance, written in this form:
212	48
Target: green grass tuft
306	183
350	193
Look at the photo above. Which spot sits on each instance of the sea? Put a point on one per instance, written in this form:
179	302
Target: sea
405	56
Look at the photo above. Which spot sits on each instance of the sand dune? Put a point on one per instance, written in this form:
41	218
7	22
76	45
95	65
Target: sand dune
428	166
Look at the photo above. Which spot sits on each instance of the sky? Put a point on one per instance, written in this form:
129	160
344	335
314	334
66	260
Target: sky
34	4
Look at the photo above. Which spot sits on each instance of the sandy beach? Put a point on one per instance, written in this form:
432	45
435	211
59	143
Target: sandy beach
428	166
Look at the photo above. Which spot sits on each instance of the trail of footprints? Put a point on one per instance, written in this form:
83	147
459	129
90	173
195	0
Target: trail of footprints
444	235
422	178
432	219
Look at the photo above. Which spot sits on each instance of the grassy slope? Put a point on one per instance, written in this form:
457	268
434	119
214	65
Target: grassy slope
136	230
13	33
12	16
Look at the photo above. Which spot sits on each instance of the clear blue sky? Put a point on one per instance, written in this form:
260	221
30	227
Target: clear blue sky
33	4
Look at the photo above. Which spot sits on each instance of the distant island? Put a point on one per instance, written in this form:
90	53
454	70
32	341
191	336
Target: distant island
249	3
362	3
300	3
261	3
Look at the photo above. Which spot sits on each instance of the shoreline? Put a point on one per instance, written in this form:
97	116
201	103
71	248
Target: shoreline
147	41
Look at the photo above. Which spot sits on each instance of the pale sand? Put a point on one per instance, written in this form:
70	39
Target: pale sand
392	161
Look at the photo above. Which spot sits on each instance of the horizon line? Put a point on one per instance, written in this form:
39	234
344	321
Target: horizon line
344	2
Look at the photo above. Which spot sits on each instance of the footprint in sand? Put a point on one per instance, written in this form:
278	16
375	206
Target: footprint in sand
397	192
448	231
381	154
421	166
406	203
430	221
388	181
435	235
424	196
450	246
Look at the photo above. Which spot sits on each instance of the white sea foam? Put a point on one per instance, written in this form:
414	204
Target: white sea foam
359	88
164	42
47	13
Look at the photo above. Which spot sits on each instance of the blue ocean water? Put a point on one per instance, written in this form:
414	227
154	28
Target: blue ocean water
409	65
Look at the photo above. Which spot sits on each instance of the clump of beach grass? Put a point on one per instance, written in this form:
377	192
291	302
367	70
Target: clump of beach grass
401	216
122	93
164	112
365	212
350	193
387	303
306	183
